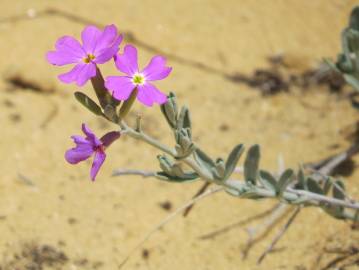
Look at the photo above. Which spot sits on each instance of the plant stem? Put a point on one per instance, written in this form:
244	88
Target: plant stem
241	189
139	135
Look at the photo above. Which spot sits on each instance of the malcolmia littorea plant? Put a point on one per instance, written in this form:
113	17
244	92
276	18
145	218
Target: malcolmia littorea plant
185	161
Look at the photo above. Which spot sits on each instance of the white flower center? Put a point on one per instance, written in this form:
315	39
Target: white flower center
138	79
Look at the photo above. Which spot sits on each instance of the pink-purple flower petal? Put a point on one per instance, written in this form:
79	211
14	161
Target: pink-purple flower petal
109	138
156	69
80	74
108	38
80	140
60	58
98	160
83	150
119	86
68	51
90	135
90	145
148	94
98	47
90	36
69	44
127	62
106	54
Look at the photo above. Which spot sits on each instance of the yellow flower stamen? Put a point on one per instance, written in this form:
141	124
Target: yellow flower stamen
89	58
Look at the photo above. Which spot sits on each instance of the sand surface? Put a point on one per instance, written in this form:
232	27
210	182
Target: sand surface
51	210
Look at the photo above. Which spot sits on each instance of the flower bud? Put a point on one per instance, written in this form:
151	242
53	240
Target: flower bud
165	164
126	106
170	111
110	113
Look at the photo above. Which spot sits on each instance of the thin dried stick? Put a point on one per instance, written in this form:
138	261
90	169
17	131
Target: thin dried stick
52	114
229	227
120	172
259	232
168	219
280	235
199	192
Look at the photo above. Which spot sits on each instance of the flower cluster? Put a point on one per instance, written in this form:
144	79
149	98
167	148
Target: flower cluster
98	47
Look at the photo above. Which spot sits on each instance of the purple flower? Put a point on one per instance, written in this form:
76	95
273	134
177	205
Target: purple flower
98	47
86	147
122	86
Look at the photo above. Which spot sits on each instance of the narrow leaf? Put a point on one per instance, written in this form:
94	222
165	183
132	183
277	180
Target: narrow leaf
184	119
353	40
284	180
204	161
327	185
335	211
301	179
268	180
203	158
170	178
354	19
232	160
339	190
314	187
352	81
344	64
330	64
88	103
165	164
251	164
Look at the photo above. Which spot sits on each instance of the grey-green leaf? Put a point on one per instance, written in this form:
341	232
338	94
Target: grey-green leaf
170	111
204	161
314	187
327	185
170	178
88	103
301	179
353	40
232	160
352	81
203	158
268	180
285	179
251	164
165	163
354	19
330	64
339	190
344	65
335	211
184	120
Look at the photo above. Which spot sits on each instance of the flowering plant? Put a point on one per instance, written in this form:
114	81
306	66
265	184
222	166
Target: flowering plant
185	161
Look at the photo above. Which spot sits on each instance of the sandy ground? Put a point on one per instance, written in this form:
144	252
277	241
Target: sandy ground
48	204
